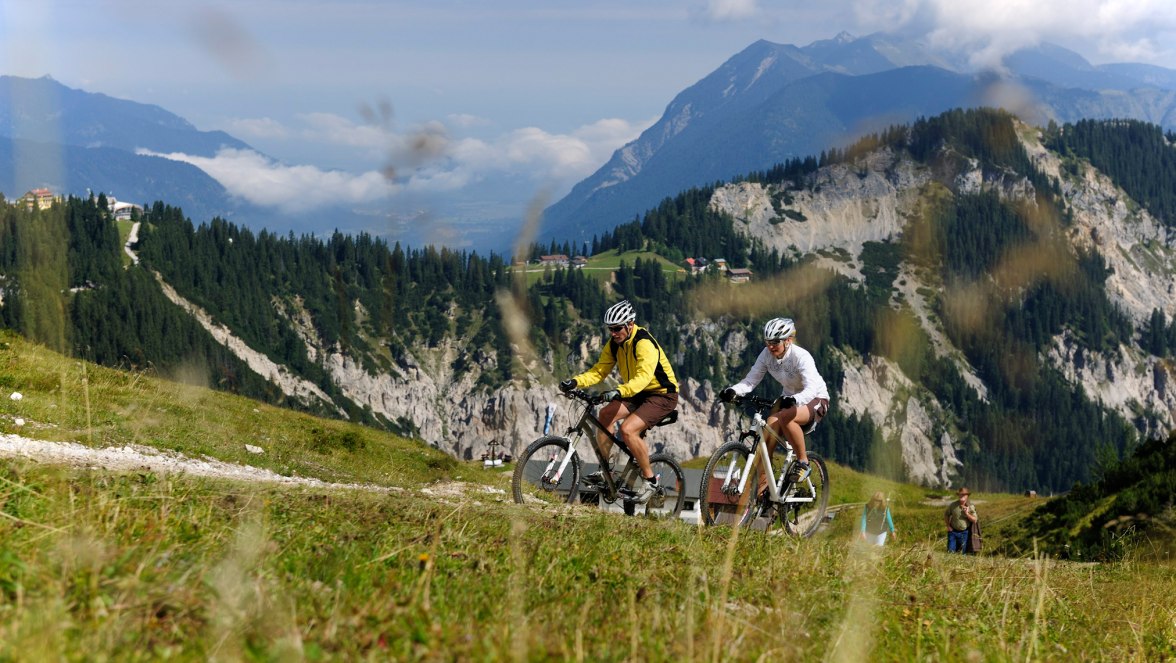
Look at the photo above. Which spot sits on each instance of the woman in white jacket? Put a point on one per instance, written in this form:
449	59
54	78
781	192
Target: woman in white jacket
804	398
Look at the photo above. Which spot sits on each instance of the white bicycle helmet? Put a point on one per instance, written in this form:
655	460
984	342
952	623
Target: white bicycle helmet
779	329
620	313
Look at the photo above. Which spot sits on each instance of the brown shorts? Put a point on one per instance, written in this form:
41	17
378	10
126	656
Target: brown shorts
818	408
651	408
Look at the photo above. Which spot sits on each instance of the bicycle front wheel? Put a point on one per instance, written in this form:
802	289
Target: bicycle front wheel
804	510
668	501
718	493
548	471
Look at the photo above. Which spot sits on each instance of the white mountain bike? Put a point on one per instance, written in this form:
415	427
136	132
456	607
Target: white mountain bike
733	473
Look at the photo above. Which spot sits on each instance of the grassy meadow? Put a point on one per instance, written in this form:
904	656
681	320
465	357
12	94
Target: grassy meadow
438	564
601	267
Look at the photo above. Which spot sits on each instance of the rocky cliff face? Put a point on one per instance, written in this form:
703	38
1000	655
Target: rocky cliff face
841	207
1140	252
455	415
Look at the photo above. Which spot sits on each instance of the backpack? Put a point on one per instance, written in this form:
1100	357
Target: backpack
876	520
975	541
659	373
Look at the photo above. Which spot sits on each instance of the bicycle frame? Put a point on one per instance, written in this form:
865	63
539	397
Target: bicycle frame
557	468
762	453
589	425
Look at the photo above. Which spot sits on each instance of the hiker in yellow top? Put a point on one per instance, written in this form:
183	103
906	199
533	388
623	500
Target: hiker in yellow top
648	391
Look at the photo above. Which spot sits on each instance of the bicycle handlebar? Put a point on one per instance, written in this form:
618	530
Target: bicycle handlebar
754	401
580	394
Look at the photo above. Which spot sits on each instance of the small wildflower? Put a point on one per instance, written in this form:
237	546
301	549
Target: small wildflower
16	396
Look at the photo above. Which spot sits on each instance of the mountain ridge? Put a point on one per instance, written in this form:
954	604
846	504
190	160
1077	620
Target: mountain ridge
1045	83
46	111
75	142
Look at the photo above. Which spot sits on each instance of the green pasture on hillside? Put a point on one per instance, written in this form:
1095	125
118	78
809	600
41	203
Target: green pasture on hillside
68	400
602	266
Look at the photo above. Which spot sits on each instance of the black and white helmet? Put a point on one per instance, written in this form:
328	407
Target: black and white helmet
779	329
620	313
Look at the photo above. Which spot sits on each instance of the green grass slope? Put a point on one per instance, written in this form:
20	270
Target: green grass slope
602	266
442	567
67	400
1129	511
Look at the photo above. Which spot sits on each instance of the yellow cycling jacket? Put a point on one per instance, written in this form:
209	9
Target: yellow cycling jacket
642	365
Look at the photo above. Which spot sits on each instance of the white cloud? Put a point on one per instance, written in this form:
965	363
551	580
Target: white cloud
372	141
543	155
251	176
991	29
732	10
427	159
563	155
437	180
337	130
466	121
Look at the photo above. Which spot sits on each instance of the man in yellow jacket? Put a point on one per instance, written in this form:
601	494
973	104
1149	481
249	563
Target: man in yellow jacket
648	391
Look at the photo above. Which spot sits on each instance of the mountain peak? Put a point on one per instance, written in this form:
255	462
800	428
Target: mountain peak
844	37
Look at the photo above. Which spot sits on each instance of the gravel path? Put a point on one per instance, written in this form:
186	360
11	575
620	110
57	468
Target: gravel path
135	458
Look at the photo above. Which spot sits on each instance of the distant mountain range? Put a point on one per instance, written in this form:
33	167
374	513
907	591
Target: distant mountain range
45	111
772	102
73	142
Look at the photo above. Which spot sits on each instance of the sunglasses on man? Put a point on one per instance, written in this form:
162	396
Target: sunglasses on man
612	329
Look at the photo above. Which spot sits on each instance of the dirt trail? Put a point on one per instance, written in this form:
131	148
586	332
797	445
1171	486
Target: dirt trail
135	458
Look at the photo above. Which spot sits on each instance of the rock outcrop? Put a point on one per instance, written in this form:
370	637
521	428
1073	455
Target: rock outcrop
839	208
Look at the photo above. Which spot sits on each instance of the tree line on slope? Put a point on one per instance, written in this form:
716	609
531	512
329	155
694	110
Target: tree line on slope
1139	158
1126	509
64	286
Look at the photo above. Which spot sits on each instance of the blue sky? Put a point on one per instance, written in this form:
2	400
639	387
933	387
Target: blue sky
476	107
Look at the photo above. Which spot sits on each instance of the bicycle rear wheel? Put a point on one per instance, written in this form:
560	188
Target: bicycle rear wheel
808	502
537	474
718	493
668	502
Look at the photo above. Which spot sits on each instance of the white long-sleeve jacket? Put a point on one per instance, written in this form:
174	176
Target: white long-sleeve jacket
795	371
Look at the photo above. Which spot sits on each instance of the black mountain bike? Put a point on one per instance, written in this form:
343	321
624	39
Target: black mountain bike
549	469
